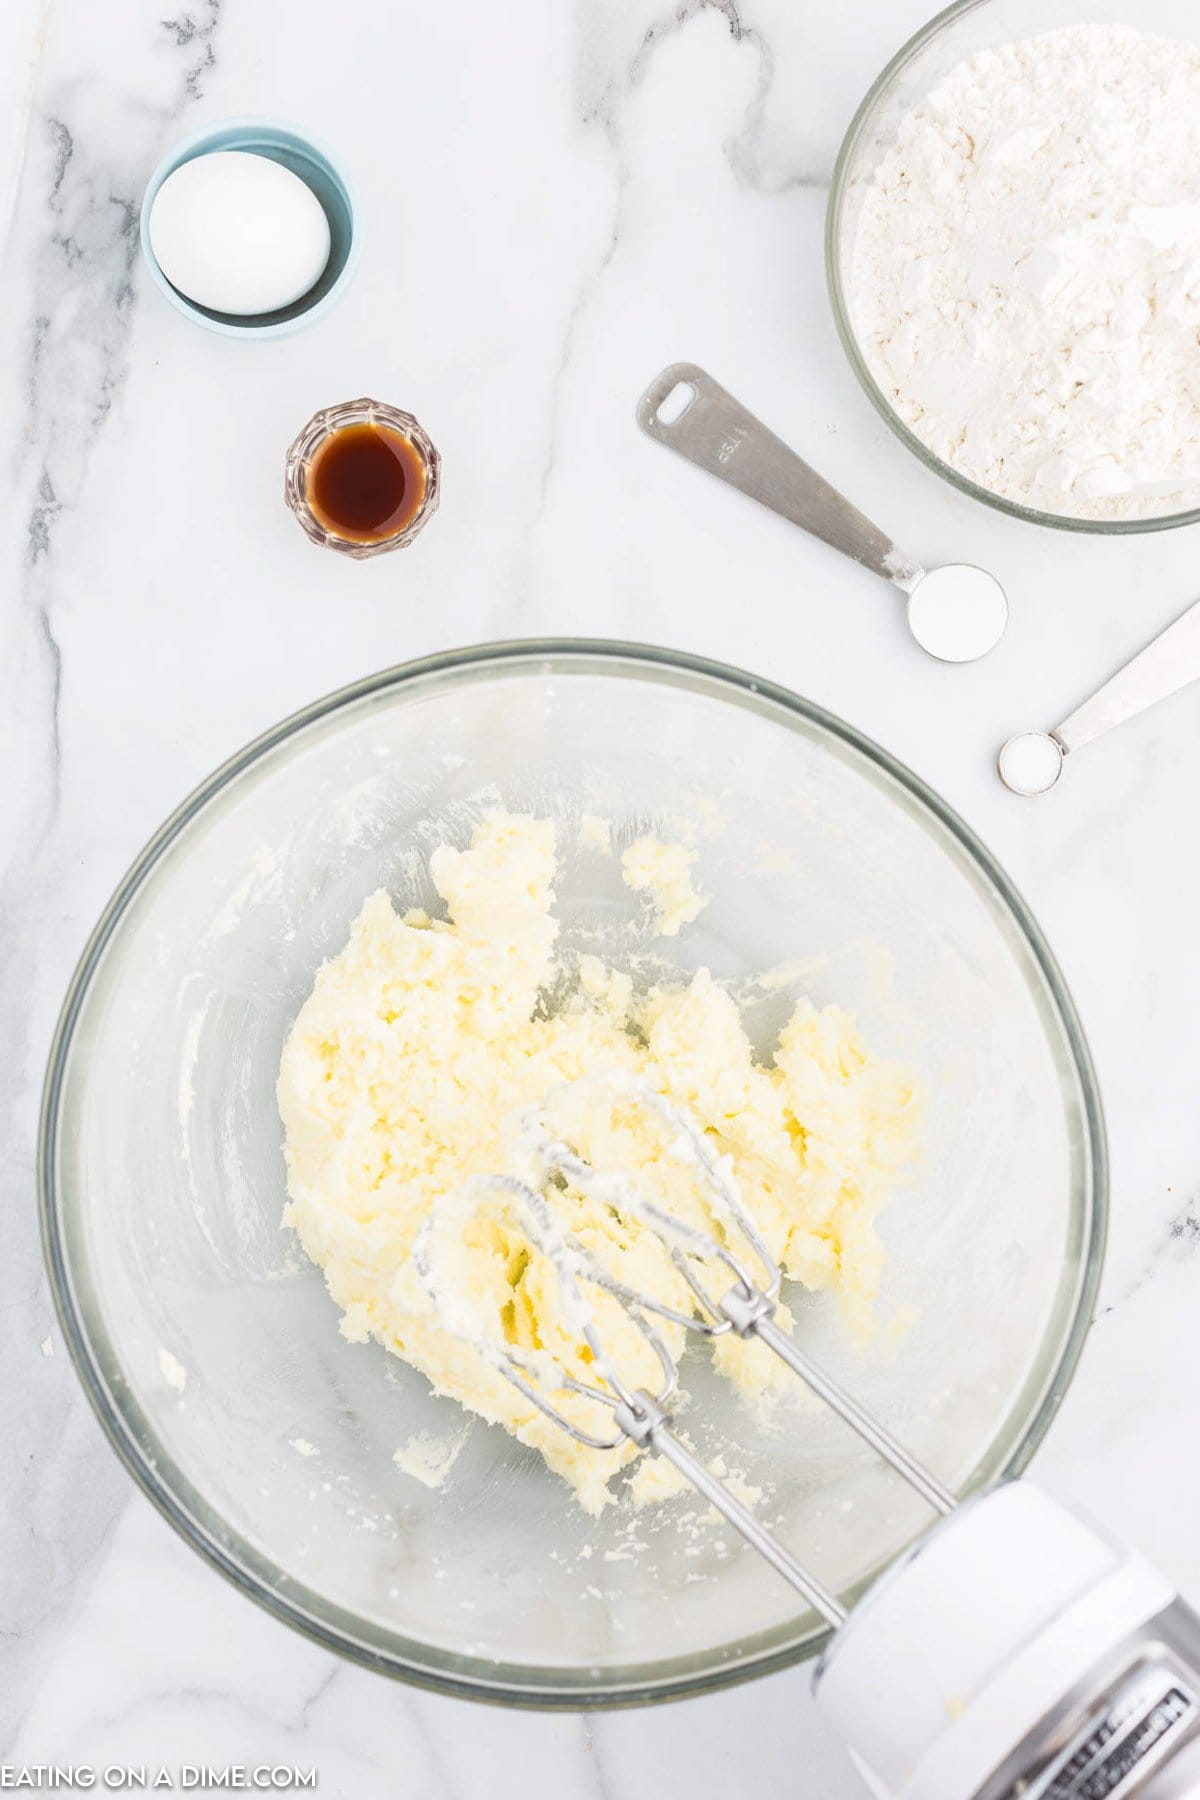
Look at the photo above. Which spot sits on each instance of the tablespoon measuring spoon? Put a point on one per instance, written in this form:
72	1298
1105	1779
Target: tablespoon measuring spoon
1032	762
957	613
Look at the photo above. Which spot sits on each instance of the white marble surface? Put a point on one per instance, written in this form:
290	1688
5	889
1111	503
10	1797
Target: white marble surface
558	200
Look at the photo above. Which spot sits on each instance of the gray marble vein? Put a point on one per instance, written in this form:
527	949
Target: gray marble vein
1178	1242
68	305
608	76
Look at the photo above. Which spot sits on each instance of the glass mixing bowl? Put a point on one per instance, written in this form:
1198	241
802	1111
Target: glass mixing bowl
954	36
210	1348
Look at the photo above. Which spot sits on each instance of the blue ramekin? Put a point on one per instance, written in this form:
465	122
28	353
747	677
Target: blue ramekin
286	145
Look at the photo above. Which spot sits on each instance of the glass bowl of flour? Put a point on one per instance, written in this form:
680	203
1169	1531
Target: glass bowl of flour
322	1474
1013	252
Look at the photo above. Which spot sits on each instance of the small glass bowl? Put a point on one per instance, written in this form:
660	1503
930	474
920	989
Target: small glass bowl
324	425
958	33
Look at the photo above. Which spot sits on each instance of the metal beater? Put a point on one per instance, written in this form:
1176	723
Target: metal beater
1016	1651
746	1308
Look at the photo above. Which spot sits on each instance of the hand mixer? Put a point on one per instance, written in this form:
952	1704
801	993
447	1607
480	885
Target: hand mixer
1015	1651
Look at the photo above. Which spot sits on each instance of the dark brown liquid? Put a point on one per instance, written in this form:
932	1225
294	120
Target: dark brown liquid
366	483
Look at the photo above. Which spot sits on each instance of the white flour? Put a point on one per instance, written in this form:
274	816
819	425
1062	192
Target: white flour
1025	279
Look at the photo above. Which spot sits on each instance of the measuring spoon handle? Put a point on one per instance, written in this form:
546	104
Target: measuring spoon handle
1169	662
717	433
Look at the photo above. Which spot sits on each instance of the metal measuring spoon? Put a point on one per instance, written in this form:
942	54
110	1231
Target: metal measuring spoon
1031	762
957	613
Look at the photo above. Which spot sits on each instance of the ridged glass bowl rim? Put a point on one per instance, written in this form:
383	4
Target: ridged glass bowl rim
839	299
180	1502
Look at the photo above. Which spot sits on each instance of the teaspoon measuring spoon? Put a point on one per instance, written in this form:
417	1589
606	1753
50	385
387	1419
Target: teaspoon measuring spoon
957	613
1031	762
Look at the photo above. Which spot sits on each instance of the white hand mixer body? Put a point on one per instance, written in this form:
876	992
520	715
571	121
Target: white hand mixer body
1014	1651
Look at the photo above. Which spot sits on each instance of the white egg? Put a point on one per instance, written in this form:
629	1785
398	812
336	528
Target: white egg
238	233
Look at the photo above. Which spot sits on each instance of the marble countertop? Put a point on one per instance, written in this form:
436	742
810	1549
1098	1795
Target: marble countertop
558	201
